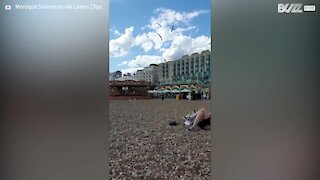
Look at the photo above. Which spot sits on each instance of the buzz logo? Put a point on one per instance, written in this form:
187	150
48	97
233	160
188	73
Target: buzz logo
290	8
295	8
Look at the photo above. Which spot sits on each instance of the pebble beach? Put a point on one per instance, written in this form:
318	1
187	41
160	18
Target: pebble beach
145	146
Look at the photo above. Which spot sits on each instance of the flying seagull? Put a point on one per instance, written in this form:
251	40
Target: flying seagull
159	36
173	28
159	24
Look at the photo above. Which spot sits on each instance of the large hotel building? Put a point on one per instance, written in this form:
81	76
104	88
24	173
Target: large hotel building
190	74
193	69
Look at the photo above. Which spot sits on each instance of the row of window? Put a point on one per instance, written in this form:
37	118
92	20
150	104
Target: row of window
191	70
181	67
192	60
206	79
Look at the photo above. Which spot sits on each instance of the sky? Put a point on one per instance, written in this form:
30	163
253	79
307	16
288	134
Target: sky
143	32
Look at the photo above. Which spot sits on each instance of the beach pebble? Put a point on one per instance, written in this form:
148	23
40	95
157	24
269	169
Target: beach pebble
144	146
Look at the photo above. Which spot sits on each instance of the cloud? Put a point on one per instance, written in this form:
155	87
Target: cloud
180	30
120	46
201	43
185	45
146	41
130	70
169	17
123	63
141	61
115	31
152	40
180	46
147	46
144	60
161	25
195	14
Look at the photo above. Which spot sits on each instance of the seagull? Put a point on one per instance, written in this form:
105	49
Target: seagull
173	28
159	36
159	24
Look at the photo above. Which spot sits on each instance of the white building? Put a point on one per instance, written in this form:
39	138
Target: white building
139	75
151	74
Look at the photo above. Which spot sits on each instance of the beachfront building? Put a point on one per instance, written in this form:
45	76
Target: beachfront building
192	71
139	75
166	73
151	74
128	87
115	75
187	69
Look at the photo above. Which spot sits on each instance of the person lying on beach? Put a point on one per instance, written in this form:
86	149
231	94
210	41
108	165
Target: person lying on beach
200	119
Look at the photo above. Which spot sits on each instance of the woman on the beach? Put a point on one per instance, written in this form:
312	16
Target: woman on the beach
201	119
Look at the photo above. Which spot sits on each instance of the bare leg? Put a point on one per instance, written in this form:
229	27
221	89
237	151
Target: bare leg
200	117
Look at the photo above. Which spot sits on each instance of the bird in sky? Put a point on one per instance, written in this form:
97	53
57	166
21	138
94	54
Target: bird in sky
173	28
159	24
159	36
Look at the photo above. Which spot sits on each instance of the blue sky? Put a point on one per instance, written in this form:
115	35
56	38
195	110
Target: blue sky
143	32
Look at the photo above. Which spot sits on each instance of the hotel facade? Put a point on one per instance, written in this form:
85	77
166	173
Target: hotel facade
193	69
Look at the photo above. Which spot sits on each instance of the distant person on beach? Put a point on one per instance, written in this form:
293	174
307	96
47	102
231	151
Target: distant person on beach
201	119
162	97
